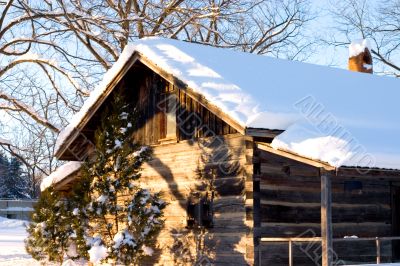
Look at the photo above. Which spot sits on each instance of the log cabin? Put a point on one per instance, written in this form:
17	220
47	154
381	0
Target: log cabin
303	160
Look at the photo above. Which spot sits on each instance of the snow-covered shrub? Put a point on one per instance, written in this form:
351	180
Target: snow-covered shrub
50	235
124	219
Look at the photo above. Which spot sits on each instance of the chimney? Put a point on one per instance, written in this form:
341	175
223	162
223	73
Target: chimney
360	59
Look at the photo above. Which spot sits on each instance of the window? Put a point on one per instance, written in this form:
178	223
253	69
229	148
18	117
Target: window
199	211
353	187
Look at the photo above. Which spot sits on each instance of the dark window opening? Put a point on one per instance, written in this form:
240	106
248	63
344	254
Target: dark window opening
199	211
353	187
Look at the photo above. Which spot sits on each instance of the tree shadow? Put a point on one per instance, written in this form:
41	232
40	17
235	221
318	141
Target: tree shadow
221	178
218	170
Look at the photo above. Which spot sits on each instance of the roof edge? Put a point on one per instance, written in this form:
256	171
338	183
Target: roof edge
92	109
137	56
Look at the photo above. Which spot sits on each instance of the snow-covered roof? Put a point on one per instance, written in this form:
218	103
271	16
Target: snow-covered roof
60	173
329	114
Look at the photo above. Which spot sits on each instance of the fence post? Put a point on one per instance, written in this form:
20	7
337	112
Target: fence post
378	251
290	253
326	218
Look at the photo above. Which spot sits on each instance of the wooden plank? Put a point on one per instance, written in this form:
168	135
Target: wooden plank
326	218
260	132
365	229
360	173
295	157
196	96
304	214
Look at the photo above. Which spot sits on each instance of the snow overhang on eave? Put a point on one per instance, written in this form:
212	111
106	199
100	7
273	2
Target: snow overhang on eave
60	175
296	157
350	171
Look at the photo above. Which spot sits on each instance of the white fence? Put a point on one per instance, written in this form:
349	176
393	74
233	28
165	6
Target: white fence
16	209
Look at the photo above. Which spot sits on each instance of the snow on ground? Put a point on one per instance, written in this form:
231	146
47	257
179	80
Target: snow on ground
12	250
12	247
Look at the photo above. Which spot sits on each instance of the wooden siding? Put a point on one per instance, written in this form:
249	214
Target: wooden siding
176	170
146	90
193	120
287	204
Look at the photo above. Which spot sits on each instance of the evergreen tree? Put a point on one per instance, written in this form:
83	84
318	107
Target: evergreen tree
50	231
17	185
4	166
13	182
80	199
124	218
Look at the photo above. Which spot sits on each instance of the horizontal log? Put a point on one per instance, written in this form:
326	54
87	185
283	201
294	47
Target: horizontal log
302	213
230	186
366	197
366	229
369	173
312	184
234	140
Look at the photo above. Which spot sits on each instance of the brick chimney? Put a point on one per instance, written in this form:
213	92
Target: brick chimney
360	59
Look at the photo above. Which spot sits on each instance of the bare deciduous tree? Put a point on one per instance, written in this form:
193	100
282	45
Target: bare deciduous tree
36	91
376	21
54	51
105	27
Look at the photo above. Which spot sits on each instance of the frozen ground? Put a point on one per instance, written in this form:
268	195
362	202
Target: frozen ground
12	251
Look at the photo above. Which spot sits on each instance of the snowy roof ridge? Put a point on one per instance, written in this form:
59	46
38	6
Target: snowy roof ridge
60	173
262	92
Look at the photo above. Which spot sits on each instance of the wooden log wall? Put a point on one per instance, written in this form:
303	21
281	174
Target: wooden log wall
288	205
176	170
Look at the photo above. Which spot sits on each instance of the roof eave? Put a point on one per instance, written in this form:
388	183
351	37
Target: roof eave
92	110
136	56
296	157
193	94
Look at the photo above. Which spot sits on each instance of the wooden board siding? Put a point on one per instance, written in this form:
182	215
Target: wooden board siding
146	90
193	120
174	170
289	205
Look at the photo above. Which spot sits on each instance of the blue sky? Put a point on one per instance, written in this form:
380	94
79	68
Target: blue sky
322	27
318	28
